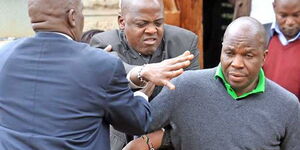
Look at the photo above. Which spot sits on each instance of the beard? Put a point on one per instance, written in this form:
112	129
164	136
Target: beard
290	32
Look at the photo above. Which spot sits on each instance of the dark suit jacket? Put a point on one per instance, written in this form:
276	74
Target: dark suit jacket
175	41
58	94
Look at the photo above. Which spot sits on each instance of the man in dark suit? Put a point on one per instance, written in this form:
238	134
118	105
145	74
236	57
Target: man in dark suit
56	93
282	62
144	39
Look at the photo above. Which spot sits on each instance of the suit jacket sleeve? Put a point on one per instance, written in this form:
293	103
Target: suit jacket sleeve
97	42
195	51
127	113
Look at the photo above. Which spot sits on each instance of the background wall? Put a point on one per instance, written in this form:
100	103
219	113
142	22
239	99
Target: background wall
14	20
102	3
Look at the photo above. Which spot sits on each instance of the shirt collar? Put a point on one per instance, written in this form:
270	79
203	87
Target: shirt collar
283	40
65	35
260	88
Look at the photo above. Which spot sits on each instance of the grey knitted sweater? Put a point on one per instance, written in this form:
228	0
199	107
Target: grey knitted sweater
204	116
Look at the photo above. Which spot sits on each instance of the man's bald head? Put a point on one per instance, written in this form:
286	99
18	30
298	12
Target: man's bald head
129	5
243	54
54	15
250	27
287	1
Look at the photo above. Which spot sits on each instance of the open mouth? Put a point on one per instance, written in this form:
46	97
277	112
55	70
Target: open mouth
150	41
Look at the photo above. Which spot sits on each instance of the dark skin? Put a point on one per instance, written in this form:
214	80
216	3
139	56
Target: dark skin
161	73
142	22
243	55
65	16
287	14
140	143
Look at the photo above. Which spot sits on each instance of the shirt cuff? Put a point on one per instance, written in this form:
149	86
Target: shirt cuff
131	84
139	93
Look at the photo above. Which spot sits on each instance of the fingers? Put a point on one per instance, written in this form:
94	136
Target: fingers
161	73
176	73
186	53
169	85
171	75
184	57
108	48
178	66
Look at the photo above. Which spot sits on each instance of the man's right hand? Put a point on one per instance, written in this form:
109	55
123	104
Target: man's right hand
161	73
148	89
108	48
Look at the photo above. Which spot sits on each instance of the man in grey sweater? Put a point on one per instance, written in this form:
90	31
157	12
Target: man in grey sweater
230	107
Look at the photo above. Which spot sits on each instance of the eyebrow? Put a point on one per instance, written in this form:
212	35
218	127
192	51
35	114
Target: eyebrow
141	19
248	49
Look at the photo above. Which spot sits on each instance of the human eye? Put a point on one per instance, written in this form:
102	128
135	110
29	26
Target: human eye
158	23
282	15
296	15
249	55
229	52
141	24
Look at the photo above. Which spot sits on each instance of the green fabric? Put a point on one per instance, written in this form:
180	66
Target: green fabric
260	88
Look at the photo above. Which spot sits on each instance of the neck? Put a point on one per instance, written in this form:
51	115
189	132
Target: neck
40	27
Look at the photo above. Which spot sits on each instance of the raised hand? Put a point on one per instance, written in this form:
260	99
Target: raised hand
161	73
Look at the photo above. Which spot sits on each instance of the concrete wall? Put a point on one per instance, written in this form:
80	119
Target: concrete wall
14	20
102	3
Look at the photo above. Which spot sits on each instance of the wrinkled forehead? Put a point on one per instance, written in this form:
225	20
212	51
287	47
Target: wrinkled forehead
287	7
243	39
141	6
246	32
287	2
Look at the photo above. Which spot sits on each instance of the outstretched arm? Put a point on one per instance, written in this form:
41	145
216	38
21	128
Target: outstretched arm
161	73
158	73
146	142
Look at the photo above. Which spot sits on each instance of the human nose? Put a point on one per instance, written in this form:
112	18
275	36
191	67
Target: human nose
290	21
151	29
238	62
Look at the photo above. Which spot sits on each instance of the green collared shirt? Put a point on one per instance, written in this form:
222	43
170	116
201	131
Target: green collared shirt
260	88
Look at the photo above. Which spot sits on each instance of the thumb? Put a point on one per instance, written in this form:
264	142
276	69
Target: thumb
108	48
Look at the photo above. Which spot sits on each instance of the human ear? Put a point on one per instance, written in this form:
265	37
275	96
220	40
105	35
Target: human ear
274	5
71	18
265	55
121	22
